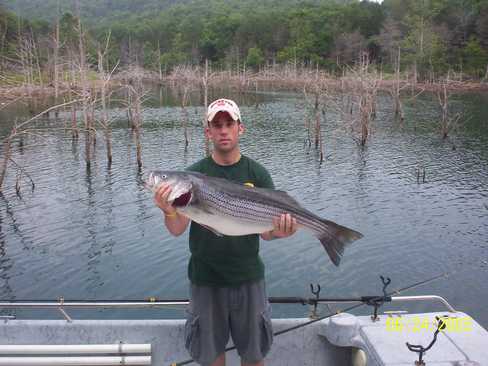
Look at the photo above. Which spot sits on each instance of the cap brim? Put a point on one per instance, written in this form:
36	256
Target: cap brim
231	113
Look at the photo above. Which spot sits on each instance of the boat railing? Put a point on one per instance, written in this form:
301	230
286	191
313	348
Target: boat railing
61	304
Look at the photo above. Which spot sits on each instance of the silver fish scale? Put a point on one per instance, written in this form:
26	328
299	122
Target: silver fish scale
237	207
254	211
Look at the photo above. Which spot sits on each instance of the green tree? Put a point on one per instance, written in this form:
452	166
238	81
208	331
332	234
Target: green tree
8	32
475	58
68	30
254	58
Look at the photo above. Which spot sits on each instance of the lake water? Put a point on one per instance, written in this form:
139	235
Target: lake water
98	234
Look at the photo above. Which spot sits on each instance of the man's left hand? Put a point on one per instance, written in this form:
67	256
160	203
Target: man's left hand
284	226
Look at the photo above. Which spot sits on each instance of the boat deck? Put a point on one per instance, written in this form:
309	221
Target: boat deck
327	342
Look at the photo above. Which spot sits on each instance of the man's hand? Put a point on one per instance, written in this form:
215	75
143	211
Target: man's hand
161	199
284	226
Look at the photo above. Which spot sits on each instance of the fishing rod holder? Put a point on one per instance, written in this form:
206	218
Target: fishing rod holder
377	301
314	302
417	348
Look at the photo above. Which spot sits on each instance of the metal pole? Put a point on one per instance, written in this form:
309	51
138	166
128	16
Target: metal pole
181	302
65	349
75	361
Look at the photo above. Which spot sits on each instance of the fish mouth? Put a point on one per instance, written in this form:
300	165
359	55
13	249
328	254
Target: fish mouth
151	182
182	200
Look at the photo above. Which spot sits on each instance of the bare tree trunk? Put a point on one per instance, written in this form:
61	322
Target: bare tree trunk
308	141
135	95
91	119
35	55
415	75
159	65
318	132
6	156
130	113
24	52
137	136
444	103
56	61
105	124
396	91
75	134
205	104
85	91
104	119
108	141
364	116
185	120
317	120
21	53
74	125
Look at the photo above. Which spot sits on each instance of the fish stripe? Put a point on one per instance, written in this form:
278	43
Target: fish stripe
253	210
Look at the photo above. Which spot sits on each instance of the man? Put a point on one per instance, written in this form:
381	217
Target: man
226	273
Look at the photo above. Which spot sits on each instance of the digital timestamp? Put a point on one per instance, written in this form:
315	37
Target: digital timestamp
417	324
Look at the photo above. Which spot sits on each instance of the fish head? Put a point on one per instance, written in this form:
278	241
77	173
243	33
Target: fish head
180	183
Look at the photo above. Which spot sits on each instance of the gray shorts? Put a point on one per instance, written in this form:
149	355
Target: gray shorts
215	312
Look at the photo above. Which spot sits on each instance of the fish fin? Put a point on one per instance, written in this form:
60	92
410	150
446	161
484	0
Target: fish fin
334	239
212	230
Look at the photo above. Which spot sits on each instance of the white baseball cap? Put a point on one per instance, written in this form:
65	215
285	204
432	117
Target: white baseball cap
223	105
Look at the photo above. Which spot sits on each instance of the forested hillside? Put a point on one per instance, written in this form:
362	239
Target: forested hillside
94	10
432	36
91	10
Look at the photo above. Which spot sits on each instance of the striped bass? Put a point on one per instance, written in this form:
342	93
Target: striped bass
228	208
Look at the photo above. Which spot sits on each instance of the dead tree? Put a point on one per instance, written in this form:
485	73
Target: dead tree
185	120
18	131
318	89
25	55
316	113
135	95
137	126
56	47
448	122
104	120
35	55
85	92
367	98
160	70
74	124
396	89
205	81
362	84
7	146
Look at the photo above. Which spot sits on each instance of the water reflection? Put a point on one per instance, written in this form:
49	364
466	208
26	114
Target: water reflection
97	233
5	265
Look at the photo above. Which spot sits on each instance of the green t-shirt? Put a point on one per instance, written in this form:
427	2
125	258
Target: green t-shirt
227	260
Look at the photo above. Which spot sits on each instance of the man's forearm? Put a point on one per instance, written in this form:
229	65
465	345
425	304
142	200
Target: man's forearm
176	223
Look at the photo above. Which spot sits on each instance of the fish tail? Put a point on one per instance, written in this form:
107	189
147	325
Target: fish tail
334	239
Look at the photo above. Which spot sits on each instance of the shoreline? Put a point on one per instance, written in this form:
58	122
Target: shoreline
248	82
